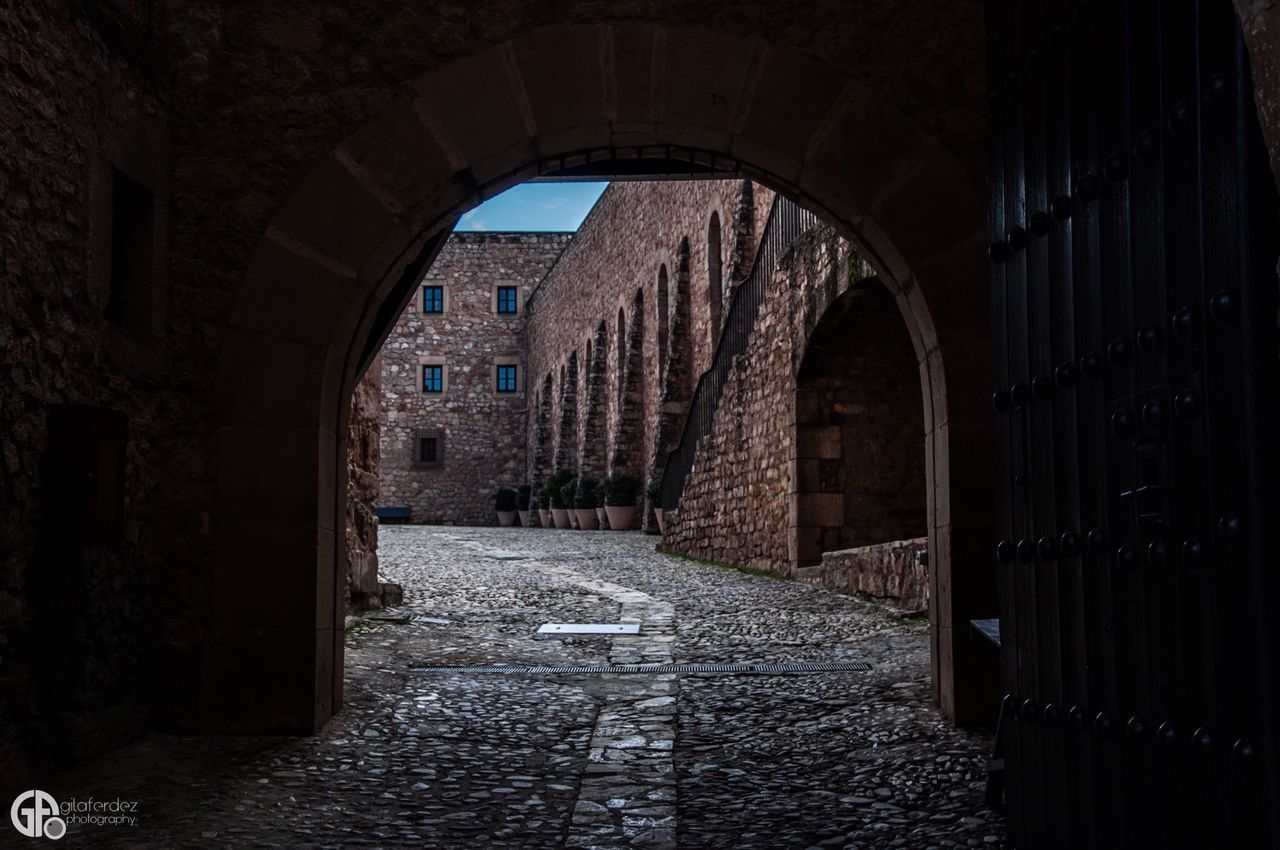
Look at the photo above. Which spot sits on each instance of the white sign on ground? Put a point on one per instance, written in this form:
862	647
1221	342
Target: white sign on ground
590	629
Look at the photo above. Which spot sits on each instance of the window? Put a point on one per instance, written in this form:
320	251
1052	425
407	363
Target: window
507	299
428	448
432	379
506	378
132	254
433	299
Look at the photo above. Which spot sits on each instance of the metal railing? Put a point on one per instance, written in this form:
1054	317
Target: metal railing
787	221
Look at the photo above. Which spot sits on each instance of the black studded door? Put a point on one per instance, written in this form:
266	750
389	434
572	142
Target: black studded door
1134	232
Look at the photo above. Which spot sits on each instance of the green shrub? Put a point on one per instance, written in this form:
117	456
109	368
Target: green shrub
555	482
621	490
568	492
523	494
505	499
586	496
655	491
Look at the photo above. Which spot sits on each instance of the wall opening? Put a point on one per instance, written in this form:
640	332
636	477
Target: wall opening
619	354
715	285
860	468
663	322
130	301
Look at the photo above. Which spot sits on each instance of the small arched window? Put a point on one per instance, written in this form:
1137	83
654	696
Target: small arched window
621	351
715	284
662	322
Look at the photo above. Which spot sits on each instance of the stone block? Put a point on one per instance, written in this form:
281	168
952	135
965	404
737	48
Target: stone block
820	509
814	441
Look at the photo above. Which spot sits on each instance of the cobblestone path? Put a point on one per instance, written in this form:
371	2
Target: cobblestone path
474	760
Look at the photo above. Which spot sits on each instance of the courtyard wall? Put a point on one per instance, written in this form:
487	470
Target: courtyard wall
771	485
614	375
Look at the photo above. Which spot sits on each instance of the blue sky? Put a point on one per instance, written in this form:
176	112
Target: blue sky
535	206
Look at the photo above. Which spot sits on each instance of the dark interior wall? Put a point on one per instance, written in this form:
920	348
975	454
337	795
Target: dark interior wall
858	394
96	440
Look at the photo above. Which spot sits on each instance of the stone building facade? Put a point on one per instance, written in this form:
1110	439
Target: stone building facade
446	448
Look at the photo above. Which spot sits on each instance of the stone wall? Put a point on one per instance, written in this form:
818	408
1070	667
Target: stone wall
481	433
633	286
774	487
735	507
363	589
895	572
87	616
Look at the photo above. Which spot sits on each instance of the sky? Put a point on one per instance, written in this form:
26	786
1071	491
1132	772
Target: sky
535	206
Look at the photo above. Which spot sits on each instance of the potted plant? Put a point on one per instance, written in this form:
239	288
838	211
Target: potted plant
655	498
543	501
523	495
556	498
620	495
504	501
601	516
584	503
568	492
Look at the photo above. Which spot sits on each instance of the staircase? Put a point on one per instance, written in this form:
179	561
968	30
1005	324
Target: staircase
787	221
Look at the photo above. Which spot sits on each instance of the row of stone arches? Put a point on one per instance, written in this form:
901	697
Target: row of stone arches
620	407
591	422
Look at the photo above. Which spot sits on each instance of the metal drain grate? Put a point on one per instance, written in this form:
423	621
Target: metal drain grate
764	669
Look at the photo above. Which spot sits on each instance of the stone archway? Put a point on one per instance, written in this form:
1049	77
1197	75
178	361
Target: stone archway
860	465
566	454
676	349
591	452
534	100
540	457
715	277
628	426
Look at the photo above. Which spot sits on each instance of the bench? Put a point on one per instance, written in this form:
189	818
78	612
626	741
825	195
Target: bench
990	630
393	513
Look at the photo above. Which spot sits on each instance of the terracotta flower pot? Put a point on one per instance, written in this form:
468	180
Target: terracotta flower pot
561	517
662	528
544	517
573	518
524	518
621	517
602	518
587	519
506	518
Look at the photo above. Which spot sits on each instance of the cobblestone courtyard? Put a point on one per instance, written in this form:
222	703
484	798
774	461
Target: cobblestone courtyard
447	759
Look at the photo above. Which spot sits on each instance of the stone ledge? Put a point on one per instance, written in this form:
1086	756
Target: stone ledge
890	572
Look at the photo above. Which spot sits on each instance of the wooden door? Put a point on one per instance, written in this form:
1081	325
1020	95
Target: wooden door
1134	232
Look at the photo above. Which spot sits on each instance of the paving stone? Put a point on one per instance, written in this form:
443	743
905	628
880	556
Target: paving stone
446	760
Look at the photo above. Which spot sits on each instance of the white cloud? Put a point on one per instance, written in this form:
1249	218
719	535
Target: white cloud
471	221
